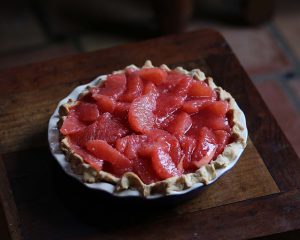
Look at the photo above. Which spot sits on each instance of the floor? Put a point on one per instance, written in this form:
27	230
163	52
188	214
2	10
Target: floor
269	53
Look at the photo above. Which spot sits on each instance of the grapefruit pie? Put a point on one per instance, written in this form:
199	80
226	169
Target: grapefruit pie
152	129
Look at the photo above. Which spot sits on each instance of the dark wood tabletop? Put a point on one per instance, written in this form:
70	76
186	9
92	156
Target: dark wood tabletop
259	197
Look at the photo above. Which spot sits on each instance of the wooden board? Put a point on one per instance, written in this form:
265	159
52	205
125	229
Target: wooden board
248	179
258	197
33	176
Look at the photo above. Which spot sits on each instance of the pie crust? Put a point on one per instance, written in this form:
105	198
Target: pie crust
130	180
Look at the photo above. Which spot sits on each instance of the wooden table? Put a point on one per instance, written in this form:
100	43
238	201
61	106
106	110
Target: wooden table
260	196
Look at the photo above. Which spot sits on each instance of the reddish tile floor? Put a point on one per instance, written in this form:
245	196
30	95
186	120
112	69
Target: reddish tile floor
287	20
257	50
295	86
286	115
284	23
255	47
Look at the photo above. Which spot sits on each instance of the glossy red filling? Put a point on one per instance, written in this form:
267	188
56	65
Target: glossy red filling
155	123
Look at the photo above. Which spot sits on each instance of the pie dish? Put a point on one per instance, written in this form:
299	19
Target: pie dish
100	133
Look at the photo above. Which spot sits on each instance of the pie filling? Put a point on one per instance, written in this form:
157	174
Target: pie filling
155	123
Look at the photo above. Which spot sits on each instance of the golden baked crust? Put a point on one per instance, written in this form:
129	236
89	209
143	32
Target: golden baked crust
130	180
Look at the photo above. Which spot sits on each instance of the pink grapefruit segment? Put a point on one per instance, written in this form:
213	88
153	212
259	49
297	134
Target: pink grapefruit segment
71	124
219	108
87	112
205	149
155	75
114	86
105	103
144	169
181	124
110	128
200	89
96	163
167	105
194	106
188	145
163	165
134	87
222	138
140	115
103	150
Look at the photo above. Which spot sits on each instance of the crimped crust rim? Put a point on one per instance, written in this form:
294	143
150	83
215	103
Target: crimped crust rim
203	176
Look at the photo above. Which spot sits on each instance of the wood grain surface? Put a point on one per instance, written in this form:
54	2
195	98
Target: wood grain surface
35	179
258	197
248	179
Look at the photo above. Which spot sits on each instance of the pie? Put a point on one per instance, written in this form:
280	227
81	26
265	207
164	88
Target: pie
152	129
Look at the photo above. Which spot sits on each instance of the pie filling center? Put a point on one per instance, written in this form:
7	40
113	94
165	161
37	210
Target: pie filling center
155	123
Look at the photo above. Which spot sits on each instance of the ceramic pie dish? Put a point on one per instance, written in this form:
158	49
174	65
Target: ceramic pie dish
148	132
